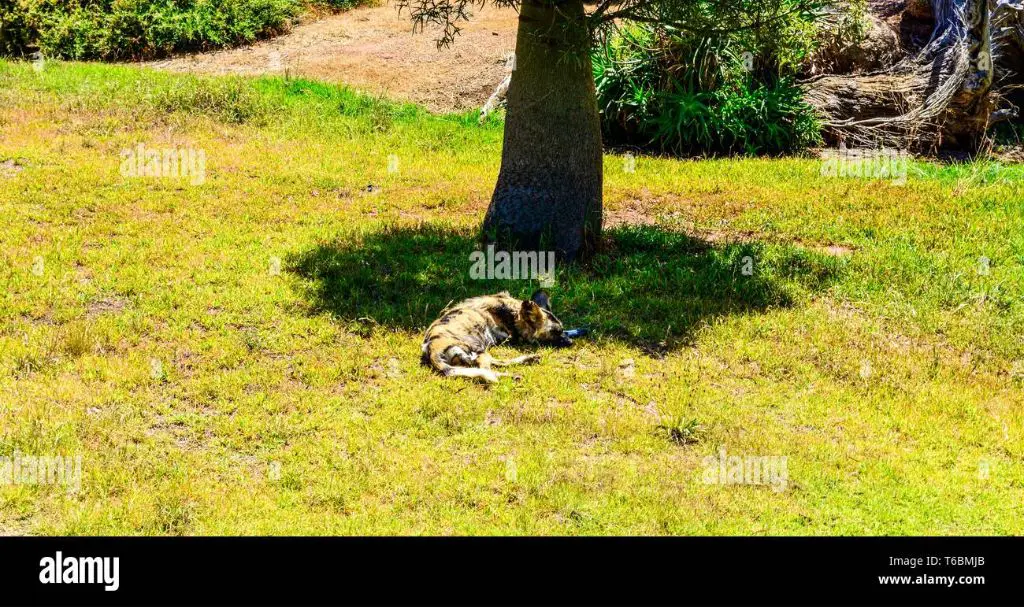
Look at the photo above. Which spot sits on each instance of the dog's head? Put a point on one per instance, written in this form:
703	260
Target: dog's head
538	324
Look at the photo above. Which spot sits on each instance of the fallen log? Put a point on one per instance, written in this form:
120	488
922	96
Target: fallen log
943	96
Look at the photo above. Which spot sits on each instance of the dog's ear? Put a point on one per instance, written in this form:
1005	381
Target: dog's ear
541	298
532	313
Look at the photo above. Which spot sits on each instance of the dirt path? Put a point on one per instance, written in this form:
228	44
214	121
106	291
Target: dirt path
374	49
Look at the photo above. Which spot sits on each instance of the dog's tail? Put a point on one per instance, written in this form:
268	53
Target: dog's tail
434	354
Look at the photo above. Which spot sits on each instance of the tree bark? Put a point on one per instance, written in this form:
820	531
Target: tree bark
548	194
938	97
1008	48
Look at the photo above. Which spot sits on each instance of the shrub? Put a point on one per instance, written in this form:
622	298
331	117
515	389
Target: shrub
14	34
689	94
132	29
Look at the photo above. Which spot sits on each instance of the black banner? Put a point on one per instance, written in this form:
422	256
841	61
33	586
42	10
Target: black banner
512	571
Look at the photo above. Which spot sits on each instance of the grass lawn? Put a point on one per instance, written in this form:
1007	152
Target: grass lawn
242	356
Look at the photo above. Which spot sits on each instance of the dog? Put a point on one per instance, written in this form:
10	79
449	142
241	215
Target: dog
456	344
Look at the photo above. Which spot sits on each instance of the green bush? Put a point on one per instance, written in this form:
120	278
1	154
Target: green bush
15	35
133	29
688	94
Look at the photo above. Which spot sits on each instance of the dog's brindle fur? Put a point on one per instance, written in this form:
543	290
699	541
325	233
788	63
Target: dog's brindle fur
456	344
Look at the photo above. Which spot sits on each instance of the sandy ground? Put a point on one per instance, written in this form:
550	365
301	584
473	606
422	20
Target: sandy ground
375	50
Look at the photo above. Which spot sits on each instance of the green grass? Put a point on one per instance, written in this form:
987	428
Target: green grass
294	401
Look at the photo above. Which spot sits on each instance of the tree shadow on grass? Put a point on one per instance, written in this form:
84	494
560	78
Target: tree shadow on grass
648	287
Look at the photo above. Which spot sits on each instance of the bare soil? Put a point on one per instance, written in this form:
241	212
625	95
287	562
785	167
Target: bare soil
375	49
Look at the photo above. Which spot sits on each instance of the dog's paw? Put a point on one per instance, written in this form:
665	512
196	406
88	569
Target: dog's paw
532	359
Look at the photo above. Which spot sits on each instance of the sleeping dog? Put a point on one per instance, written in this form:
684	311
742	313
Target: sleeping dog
456	344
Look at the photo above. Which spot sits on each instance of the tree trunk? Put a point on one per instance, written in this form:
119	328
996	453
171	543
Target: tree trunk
939	97
1008	53
548	194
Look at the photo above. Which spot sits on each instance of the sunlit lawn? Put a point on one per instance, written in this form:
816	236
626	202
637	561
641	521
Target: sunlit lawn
242	356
